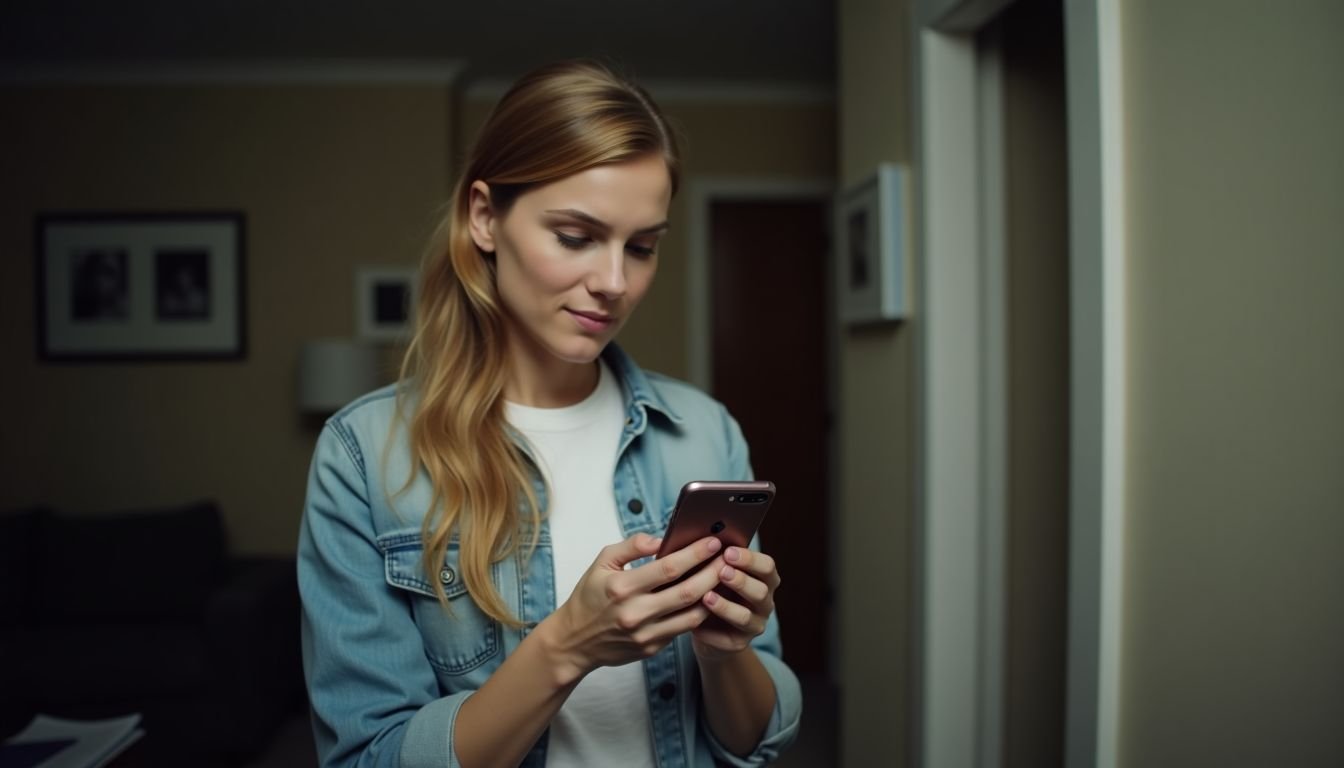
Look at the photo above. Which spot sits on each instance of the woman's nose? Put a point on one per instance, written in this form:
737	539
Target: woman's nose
608	277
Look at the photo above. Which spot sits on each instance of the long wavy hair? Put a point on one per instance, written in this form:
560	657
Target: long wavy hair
554	122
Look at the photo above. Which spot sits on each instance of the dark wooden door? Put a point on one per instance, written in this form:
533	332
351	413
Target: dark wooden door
770	325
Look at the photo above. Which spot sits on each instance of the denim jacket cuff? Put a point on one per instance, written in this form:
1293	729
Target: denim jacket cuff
429	734
783	726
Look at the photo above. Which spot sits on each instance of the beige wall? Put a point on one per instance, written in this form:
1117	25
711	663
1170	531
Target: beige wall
1233	652
876	417
328	177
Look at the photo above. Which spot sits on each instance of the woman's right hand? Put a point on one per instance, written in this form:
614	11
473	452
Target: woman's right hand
615	616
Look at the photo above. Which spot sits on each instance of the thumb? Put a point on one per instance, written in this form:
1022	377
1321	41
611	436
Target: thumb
637	546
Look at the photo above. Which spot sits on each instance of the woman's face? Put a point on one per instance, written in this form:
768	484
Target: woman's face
573	258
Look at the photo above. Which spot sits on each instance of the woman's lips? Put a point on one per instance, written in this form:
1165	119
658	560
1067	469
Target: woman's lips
593	322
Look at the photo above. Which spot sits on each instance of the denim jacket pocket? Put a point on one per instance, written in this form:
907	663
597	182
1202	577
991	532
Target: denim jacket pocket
458	638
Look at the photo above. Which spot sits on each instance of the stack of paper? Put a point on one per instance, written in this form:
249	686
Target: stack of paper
50	742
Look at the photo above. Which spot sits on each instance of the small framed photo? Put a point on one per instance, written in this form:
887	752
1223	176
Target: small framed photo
140	286
872	233
385	302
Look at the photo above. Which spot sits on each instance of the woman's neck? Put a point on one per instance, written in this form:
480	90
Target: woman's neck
539	379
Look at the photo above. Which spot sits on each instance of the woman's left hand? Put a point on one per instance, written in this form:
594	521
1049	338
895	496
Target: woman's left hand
752	575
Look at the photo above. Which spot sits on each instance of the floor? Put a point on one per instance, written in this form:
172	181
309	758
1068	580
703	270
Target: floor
815	747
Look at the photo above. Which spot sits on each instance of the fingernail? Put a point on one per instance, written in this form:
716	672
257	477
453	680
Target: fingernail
714	545
656	541
732	555
727	572
711	598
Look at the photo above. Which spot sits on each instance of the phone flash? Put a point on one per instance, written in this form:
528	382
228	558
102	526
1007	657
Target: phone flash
731	498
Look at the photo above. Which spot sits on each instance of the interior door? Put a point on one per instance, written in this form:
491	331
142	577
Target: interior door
769	328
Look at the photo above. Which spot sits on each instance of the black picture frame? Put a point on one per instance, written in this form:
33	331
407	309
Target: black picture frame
140	286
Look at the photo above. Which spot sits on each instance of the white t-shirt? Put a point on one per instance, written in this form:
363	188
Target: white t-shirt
605	721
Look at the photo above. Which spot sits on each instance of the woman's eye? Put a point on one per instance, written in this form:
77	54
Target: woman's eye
573	242
642	251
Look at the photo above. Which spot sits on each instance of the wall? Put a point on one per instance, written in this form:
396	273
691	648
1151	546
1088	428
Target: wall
328	176
876	417
1234	616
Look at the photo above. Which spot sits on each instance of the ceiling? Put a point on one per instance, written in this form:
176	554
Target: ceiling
788	41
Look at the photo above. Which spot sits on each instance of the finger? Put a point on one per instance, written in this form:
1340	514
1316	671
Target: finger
720	639
666	570
756	563
617	555
687	592
664	629
754	590
736	615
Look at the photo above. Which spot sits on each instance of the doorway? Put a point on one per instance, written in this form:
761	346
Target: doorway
762	341
769	350
966	617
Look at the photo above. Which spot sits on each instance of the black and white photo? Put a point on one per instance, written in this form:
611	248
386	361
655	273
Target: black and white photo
98	285
384	302
182	283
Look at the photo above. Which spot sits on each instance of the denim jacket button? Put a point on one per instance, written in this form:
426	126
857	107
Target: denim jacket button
635	506
667	691
446	576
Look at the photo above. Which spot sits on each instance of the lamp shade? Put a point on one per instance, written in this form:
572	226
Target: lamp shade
332	372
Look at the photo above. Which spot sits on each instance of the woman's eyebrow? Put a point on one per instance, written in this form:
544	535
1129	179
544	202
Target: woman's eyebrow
600	224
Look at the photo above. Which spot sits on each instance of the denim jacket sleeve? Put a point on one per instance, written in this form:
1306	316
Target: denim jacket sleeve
784	721
376	707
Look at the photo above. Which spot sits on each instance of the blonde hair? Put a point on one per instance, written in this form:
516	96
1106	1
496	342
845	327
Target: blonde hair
554	122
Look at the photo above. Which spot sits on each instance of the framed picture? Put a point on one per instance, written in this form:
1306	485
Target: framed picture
872	233
140	286
385	302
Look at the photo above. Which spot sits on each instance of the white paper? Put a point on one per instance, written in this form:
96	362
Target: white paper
96	741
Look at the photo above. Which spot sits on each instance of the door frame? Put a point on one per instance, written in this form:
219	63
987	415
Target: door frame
959	524
701	194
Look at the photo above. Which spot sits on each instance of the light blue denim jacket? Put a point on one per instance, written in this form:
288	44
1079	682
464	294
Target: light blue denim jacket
388	668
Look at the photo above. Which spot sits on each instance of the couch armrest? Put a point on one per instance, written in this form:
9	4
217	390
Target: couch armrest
252	625
256	587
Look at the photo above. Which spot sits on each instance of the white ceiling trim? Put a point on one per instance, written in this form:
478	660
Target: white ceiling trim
277	72
696	92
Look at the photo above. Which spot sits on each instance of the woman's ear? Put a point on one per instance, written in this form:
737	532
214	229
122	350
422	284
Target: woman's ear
481	217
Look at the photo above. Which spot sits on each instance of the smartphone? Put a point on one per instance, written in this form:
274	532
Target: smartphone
732	511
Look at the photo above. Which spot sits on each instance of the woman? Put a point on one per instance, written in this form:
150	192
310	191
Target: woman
464	602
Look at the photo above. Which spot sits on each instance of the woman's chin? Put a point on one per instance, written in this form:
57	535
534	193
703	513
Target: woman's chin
580	351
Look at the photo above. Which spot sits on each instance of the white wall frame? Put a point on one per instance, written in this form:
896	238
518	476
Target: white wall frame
959	385
951	705
1097	381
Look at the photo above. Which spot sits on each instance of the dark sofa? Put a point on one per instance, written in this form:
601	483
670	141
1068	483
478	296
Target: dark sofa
147	612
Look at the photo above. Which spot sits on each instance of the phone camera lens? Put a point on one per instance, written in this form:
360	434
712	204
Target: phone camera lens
716	527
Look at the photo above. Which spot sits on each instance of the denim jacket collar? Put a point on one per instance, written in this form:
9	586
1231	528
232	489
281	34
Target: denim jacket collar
639	393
